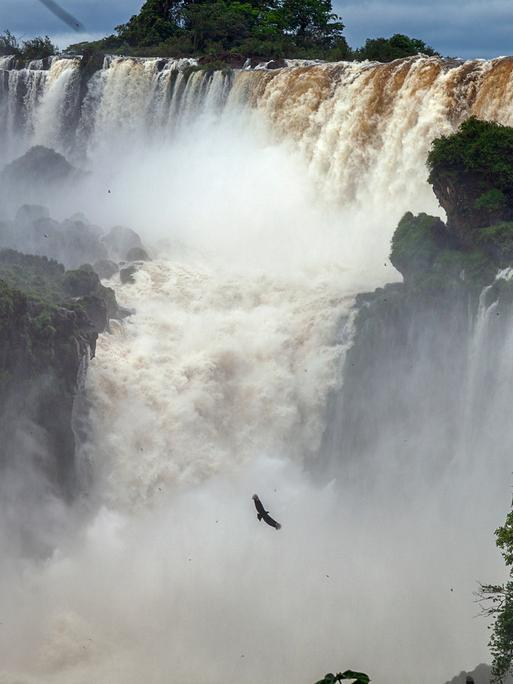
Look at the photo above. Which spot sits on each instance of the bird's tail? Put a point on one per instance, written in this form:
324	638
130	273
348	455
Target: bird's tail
259	516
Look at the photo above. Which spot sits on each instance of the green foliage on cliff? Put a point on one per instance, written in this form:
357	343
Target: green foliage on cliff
484	148
396	47
414	244
492	199
37	277
497	240
35	48
499	600
264	29
423	251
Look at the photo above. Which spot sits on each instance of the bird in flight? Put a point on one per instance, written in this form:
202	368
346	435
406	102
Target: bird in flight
262	514
62	14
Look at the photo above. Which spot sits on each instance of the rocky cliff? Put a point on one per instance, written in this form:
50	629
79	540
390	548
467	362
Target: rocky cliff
422	379
50	319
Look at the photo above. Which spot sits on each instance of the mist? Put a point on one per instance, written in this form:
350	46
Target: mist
230	379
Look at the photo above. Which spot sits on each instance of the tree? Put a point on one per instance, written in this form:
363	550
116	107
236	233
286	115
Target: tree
311	22
8	44
264	28
38	48
396	47
497	600
220	25
155	23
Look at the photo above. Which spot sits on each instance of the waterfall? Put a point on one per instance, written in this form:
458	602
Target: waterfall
348	120
267	199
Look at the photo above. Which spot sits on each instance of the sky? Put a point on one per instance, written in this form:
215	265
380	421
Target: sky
456	28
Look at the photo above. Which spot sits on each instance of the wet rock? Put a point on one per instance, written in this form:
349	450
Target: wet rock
80	243
461	196
126	275
81	282
276	64
105	268
40	166
119	240
137	254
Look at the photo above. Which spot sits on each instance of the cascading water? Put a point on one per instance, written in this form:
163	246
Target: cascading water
269	199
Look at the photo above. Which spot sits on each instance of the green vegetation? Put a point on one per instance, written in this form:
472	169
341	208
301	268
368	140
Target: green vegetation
396	47
499	604
45	282
36	48
226	30
497	240
423	251
220	28
483	148
38	278
493	200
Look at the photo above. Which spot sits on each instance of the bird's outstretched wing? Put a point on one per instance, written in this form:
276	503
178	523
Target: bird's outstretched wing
267	518
263	514
258	505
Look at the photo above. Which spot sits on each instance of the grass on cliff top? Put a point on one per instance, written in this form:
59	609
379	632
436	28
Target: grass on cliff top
45	280
482	147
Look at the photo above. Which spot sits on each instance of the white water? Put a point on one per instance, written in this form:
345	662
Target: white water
219	386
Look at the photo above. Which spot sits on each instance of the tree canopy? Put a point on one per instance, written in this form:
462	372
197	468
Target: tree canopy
499	599
221	29
266	28
396	47
36	48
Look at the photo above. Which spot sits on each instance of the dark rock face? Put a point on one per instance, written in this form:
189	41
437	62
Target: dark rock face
119	240
126	275
105	268
481	675
40	166
72	242
137	254
276	64
49	323
468	200
41	353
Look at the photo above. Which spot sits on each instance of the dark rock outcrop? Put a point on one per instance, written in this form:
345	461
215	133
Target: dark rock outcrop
137	254
119	240
481	675
72	242
40	166
105	268
472	177
126	275
470	202
49	323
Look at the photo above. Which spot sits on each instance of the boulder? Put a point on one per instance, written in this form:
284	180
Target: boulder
105	268
470	201
81	282
137	254
126	275
40	166
276	64
119	240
